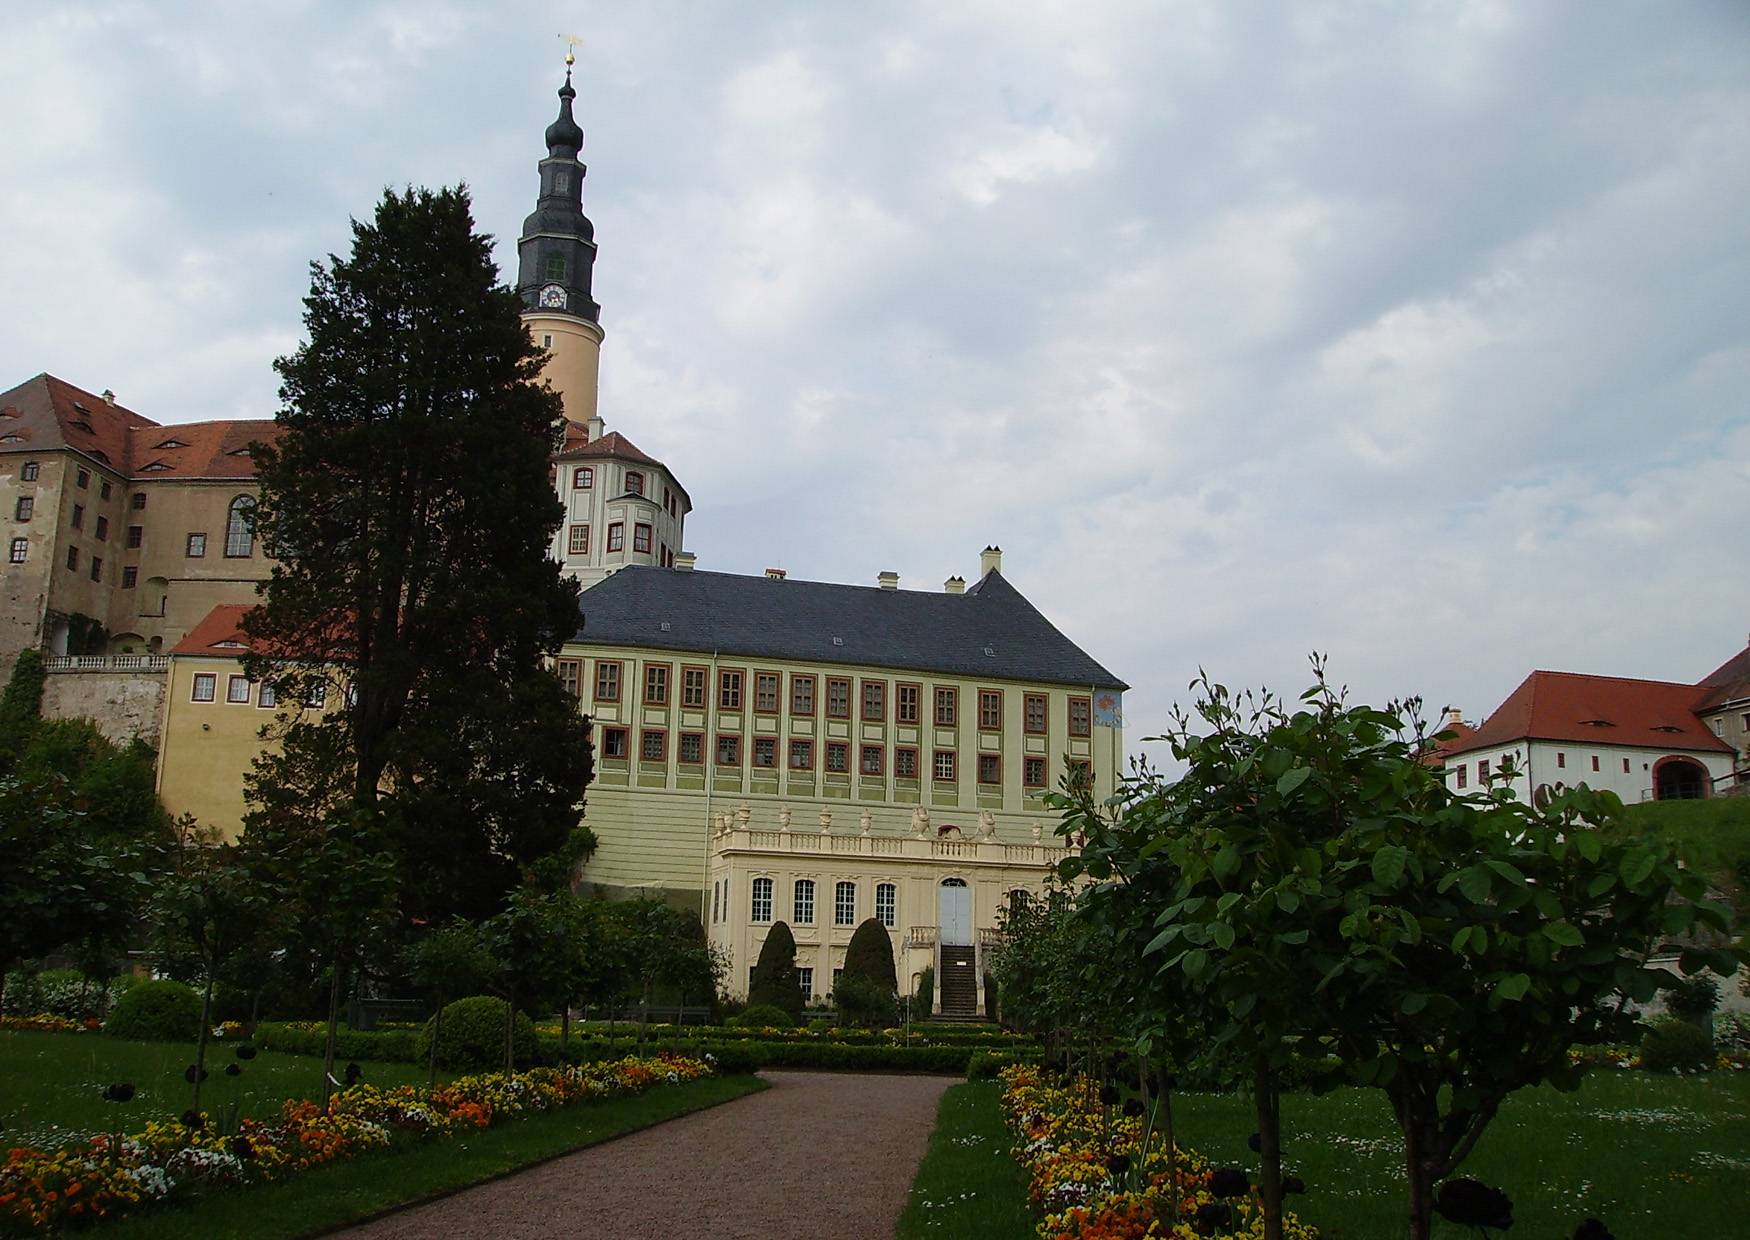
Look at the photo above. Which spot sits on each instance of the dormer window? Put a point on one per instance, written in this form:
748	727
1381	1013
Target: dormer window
12	438
82	426
154	467
172	443
1597	723
1666	727
80	406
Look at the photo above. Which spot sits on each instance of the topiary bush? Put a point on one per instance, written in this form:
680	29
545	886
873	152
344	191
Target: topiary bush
156	1012
926	996
1676	1046
762	1016
472	1036
870	955
774	980
863	1002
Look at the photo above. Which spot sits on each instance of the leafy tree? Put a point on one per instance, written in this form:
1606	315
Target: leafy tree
446	964
21	707
408	506
528	949
665	947
774	979
1307	885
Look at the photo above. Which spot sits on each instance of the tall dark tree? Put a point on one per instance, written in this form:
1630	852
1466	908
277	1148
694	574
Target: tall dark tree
412	605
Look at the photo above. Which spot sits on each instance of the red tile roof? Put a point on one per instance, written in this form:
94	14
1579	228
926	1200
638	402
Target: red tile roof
1598	710
1458	742
1729	682
219	626
51	413
611	444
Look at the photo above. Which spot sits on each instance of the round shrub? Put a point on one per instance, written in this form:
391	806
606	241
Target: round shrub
1676	1046
761	1016
1694	1000
863	1002
471	1036
156	1012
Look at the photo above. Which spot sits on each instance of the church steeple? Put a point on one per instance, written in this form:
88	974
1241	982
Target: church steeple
556	253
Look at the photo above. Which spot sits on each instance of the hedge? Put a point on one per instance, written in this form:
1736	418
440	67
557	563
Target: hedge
393	1046
751	1056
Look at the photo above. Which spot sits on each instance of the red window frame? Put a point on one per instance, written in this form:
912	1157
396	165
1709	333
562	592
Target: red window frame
681	749
660	735
656	684
1033	772
804	747
730	683
842	751
990	710
641	537
796	681
578	543
617	536
619	680
770	745
946	703
625	735
865	767
688	688
1081	716
990	770
833	709
634	482
570	673
734	742
761	680
583	478
1036	704
905	751
875	712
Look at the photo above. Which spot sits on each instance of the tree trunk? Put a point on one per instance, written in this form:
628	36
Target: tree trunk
565	1025
510	1033
200	1044
437	1028
333	1030
643	1014
1269	1101
1416	1170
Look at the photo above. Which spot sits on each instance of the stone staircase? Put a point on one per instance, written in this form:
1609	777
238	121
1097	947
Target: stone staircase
957	983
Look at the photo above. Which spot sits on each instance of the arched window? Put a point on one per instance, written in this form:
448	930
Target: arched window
240	528
804	902
886	906
762	899
1018	899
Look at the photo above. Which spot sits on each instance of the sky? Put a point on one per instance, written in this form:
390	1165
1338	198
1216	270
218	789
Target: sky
1417	335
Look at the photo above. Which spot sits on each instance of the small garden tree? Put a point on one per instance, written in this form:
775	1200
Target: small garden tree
446	964
529	949
774	981
866	991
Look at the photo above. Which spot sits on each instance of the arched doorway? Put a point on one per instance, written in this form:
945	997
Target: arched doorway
954	913
1679	779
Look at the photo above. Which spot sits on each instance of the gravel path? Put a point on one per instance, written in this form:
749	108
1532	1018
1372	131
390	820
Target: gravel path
819	1156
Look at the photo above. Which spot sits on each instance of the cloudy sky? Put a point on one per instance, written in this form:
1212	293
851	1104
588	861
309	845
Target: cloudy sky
1417	334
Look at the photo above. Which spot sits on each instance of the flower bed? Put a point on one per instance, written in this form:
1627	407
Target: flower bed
108	1176
1091	1179
46	1022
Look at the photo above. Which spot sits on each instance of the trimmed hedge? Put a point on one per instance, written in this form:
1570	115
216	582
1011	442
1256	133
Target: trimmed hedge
751	1056
761	1015
471	1036
393	1046
1675	1045
156	1012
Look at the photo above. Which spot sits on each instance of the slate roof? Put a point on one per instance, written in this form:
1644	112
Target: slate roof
990	631
1598	710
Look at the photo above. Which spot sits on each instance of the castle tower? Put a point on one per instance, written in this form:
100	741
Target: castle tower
555	260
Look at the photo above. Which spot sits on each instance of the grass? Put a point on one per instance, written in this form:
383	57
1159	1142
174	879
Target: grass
51	1084
1712	836
968	1187
1652	1156
333	1196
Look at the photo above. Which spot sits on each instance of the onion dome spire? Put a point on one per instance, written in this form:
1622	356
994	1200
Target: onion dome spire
565	136
556	252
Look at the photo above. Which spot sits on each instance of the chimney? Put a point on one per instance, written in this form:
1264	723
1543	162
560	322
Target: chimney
888	581
108	396
990	560
1454	716
593	429
684	561
955	585
776	574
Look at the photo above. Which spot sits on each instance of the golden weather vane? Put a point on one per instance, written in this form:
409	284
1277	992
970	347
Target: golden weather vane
571	42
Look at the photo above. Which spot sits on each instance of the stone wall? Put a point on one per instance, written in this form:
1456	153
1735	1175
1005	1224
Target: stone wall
122	702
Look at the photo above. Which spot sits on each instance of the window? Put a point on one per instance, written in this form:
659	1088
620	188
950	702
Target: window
267	697
838	757
97	568
72	559
138	501
945	765
801	695
765	752
1033	772
136	536
693	687
197	546
102	529
803	905
838	698
240	528
905	763
990	709
103	489
1595	762
805	983
634	482
206	686
886	906
641	538
692	751
762	900
78	516
729	689
990	768
1625	766
947	707
874	701
20	550
26	506
607	680
316	697
729	751
652	745
844	904
906	705
1483	771
1033	714
555	267
801	755
1561	760
27	472
84	478
615	743
1463	779
656	684
765	692
546	340
570	673
869	761
579	542
1080	773
617	536
716	894
583	478
237	690
836	975
1719	727
130	577
1080	717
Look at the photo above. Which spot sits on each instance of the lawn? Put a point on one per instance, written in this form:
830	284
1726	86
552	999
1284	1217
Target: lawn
51	1084
1654	1157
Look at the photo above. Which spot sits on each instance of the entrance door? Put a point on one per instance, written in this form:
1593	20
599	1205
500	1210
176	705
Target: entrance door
954	913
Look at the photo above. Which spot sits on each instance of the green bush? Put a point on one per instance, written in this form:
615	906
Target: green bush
774	978
926	996
394	1046
984	1065
991	992
762	1016
471	1036
1676	1046
156	1012
863	1001
870	955
1694	999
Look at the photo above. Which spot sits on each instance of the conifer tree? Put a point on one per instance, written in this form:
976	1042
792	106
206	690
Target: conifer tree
774	979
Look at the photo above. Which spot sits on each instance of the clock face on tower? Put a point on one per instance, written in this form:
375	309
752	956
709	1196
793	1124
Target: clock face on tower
553	296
